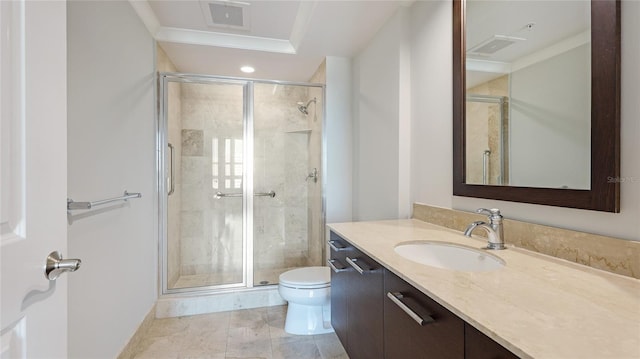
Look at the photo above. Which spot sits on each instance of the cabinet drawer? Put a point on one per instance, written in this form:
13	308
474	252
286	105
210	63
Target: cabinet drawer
338	246
417	327
365	307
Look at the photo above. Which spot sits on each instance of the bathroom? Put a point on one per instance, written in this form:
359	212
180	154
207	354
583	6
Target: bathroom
388	127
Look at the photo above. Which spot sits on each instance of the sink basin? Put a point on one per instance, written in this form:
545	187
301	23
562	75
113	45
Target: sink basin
449	256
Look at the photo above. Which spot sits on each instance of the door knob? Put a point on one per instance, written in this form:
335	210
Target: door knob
56	265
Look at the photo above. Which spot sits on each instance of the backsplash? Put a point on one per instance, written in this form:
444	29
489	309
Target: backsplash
606	253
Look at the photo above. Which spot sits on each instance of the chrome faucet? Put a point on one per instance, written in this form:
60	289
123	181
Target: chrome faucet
493	228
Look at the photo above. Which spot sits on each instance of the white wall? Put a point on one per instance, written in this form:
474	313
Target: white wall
338	146
110	149
431	104
378	116
550	128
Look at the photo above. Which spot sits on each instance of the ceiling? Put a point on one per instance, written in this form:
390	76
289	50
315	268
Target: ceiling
541	29
282	40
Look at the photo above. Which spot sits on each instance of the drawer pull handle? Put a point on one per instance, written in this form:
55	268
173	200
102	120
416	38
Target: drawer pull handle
396	298
333	266
333	246
352	262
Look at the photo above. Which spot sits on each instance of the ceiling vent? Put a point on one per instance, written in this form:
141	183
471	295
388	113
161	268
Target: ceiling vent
226	14
493	45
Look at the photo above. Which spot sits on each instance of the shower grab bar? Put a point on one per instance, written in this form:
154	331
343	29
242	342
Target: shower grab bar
219	195
71	205
172	186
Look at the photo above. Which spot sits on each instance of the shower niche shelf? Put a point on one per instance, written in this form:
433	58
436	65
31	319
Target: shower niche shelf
302	130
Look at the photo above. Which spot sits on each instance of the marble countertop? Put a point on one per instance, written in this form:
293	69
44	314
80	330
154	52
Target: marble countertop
537	306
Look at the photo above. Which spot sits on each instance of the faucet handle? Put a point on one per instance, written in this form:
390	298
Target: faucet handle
492	213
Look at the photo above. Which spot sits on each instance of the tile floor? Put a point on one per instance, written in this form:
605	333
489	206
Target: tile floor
247	334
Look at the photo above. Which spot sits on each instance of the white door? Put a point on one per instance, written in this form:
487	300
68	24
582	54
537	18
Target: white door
33	177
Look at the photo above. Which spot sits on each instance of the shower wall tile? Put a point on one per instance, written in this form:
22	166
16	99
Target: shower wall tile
192	224
320	76
193	199
316	226
273	217
195	250
193	117
192	142
282	161
296	259
196	171
269	253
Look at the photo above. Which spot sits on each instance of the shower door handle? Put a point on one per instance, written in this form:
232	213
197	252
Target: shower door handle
219	195
172	186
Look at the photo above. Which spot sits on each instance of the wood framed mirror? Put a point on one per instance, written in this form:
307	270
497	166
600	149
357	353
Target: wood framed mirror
601	191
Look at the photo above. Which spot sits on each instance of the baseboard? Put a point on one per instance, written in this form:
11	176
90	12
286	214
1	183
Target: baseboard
129	350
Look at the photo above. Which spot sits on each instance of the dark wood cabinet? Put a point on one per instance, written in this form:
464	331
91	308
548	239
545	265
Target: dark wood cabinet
377	314
357	292
339	286
417	327
480	346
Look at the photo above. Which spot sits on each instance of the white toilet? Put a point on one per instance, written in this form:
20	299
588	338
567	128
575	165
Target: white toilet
308	291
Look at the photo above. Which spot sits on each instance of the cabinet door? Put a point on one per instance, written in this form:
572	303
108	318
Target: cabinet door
480	346
440	335
339	286
365	307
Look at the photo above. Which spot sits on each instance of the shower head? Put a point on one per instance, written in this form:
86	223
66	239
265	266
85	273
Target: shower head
304	108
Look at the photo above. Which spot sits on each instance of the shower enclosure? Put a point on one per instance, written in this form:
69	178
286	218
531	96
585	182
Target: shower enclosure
240	167
487	155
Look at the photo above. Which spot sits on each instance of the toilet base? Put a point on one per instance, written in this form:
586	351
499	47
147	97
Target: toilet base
308	319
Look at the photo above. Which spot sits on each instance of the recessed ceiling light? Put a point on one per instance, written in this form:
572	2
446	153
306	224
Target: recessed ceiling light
247	69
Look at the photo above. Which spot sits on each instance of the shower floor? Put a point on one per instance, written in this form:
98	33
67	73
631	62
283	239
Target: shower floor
260	277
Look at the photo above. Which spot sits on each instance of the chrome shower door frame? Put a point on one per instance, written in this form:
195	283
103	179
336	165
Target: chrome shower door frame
248	174
247	178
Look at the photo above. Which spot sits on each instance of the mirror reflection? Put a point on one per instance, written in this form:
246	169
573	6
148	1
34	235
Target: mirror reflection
528	93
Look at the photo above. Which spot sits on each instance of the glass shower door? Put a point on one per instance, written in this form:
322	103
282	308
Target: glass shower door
205	219
287	127
242	163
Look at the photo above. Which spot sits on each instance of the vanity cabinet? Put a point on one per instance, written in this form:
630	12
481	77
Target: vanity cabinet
415	326
356	300
480	346
377	314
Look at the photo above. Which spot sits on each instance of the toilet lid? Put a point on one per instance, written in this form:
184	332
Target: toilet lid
306	277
